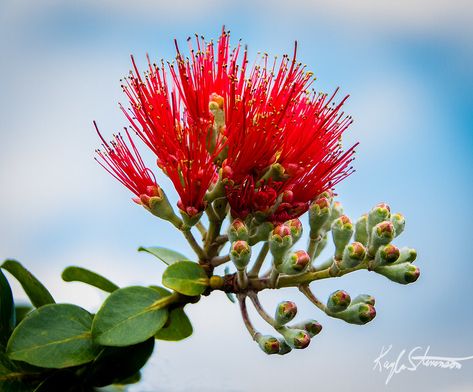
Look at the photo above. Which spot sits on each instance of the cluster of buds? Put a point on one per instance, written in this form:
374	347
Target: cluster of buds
255	147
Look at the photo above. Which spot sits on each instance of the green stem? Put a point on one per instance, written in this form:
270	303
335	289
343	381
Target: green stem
312	248
219	260
202	229
245	317
312	298
259	308
254	271
193	243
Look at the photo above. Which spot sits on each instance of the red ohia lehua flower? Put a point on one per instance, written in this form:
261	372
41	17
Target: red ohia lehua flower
274	145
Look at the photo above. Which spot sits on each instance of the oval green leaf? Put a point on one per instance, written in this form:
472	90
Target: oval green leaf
34	289
79	274
116	365
186	277
54	336
129	316
178	326
7	310
167	256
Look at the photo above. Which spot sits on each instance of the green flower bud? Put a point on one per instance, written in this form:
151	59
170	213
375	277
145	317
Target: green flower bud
312	327
407	255
338	301
269	344
364	299
280	242
353	255
159	206
342	230
238	231
381	234
296	229
378	214
295	263
284	348
240	254
191	217
296	338
404	273
319	214
216	282
360	313
285	312
361	229
385	255
399	223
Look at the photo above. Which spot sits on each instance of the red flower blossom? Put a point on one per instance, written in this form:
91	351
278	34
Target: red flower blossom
126	166
277	144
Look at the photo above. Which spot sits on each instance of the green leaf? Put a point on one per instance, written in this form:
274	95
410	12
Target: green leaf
21	312
34	289
118	365
186	277
167	256
18	377
130	315
54	336
7	310
178	326
79	274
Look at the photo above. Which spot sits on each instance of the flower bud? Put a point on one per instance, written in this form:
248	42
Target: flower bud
361	229
399	223
269	344
381	234
338	301
319	213
312	327
378	214
385	255
295	262
364	299
296	338
191	216
159	206
335	213
284	348
216	282
407	255
285	312
360	313
404	273
342	230
353	255
296	229
238	231
240	254
280	242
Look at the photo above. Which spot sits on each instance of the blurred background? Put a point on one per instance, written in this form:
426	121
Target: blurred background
408	68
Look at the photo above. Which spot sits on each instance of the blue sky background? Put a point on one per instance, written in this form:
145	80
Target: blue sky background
408	68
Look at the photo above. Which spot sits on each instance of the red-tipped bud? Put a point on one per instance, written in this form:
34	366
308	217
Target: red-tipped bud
359	313
295	226
378	214
296	262
240	254
404	273
386	255
296	338
312	327
269	344
353	255
342	230
338	301
319	213
238	231
285	312
381	234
